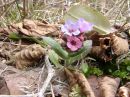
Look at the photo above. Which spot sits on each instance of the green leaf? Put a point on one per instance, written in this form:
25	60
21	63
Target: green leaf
56	47
33	39
128	68
84	67
14	36
95	71
54	58
121	74
87	45
126	62
101	23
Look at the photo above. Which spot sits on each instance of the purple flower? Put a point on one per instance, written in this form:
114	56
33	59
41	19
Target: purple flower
74	33
84	25
75	28
70	28
74	43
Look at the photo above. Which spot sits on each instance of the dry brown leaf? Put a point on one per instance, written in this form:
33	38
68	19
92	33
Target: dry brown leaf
125	27
50	29
8	49
29	24
124	92
13	28
94	36
29	55
127	85
119	45
99	53
35	28
107	45
23	82
70	77
96	51
3	87
24	31
94	83
103	51
109	86
76	77
30	33
15	82
17	25
84	84
101	46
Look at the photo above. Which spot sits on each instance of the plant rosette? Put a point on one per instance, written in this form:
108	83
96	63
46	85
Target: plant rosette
73	33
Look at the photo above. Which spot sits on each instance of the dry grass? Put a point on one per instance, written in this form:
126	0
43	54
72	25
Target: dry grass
52	11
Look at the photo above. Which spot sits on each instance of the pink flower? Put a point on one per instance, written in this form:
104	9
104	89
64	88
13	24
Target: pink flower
74	33
75	28
70	28
74	43
84	25
81	37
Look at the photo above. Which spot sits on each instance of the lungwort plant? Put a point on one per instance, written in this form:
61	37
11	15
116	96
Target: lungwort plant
76	46
79	20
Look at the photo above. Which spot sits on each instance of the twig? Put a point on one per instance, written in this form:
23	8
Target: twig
51	73
52	92
40	77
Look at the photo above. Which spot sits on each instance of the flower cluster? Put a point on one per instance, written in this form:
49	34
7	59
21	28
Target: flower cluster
74	33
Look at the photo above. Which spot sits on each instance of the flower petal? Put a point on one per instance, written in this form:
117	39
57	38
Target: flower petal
67	33
77	32
78	42
69	22
81	37
69	38
84	25
74	43
71	47
65	30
